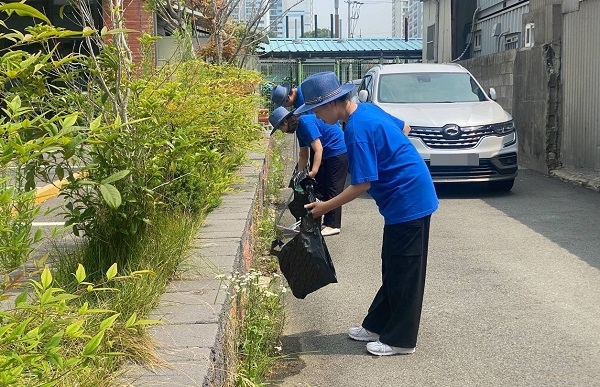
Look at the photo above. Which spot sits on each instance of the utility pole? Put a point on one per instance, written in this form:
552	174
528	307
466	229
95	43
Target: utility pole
337	19
350	16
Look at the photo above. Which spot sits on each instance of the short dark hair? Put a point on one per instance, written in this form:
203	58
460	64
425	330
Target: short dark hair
342	98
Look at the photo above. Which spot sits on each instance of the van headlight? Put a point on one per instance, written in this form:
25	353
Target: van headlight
503	128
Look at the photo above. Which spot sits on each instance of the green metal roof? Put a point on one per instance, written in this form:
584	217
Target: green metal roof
341	48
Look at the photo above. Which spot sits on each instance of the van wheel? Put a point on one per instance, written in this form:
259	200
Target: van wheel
502	186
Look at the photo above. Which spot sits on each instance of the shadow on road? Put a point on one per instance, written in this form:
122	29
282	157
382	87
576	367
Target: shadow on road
313	343
567	215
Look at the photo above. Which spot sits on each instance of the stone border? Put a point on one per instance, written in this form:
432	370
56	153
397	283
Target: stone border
194	307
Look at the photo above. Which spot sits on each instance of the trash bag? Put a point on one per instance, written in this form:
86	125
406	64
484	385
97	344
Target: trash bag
303	192
305	261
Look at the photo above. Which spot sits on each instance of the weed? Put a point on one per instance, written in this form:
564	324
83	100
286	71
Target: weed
258	300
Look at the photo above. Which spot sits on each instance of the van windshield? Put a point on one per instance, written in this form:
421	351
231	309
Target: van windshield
429	88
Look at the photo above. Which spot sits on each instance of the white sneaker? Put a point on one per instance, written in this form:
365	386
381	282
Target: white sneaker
380	349
361	334
330	231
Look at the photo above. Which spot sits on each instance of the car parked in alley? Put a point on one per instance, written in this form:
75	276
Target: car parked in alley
460	131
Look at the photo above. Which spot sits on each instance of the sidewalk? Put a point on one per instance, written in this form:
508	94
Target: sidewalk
195	308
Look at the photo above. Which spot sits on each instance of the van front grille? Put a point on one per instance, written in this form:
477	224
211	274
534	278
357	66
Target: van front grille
434	138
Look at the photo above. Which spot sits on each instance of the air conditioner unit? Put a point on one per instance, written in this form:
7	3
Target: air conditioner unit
529	39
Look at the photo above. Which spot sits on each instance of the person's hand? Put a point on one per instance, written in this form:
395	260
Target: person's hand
316	208
312	174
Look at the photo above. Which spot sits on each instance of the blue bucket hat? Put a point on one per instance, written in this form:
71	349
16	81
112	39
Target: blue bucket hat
279	94
278	116
320	88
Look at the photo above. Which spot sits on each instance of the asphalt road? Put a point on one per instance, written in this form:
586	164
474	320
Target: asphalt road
512	295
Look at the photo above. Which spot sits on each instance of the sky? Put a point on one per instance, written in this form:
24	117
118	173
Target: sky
374	17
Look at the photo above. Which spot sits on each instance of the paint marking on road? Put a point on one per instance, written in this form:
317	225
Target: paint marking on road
51	190
46	224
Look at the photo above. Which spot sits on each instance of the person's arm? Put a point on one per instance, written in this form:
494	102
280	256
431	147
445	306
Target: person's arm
317	148
350	193
303	157
401	124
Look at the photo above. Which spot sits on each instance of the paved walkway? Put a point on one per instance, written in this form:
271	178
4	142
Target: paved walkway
194	307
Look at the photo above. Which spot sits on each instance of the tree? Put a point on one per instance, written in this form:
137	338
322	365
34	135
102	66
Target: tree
321	33
228	41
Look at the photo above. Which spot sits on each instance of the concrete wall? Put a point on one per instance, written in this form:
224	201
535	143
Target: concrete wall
527	82
526	90
495	71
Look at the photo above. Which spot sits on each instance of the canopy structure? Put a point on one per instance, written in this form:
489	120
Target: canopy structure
333	48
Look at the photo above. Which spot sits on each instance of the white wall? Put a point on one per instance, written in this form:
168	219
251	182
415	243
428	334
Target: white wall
438	12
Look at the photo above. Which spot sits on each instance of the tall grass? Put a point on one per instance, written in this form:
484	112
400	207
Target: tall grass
160	248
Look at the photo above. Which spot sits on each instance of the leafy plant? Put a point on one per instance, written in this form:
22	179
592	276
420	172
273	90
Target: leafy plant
47	335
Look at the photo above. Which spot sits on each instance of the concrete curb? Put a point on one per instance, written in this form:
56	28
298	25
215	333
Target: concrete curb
587	179
194	308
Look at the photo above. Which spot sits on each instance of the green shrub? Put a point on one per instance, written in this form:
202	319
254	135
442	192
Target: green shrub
47	337
205	114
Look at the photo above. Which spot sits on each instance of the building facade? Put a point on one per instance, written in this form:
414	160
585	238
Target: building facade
498	27
407	19
399	17
294	19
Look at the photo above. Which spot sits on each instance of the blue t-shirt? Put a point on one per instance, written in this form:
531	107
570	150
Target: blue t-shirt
332	138
299	101
380	153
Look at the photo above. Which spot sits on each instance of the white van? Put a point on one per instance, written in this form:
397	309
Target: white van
460	131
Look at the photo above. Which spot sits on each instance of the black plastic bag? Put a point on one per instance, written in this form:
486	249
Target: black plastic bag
303	192
305	260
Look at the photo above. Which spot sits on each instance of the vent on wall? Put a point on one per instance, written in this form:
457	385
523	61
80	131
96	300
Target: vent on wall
529	38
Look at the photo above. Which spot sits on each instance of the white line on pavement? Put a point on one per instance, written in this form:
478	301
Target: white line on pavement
44	224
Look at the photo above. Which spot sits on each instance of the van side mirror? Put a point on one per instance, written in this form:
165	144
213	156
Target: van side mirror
492	94
363	95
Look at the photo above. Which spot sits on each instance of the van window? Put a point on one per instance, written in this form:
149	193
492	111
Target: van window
429	88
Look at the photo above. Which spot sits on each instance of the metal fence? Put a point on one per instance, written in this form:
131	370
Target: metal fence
277	72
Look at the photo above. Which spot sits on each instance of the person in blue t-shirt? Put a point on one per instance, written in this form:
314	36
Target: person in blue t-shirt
329	164
287	96
384	163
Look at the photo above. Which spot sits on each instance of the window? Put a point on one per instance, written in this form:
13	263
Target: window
430	42
429	88
477	41
511	41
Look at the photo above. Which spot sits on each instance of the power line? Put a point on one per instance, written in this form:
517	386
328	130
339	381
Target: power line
353	14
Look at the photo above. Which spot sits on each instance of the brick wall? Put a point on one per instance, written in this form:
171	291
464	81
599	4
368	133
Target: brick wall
136	18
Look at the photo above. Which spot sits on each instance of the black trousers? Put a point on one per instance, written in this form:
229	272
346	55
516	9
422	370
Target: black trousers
331	180
395	313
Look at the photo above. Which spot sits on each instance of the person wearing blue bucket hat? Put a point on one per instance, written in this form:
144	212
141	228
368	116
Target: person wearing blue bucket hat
384	163
281	116
329	164
287	96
